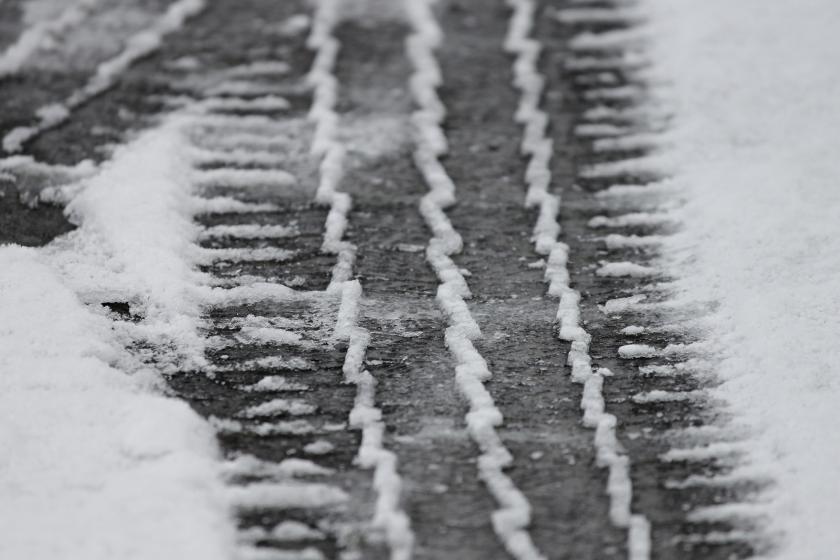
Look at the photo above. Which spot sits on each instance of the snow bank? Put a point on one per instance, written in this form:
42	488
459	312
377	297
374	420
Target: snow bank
94	461
755	84
93	464
135	242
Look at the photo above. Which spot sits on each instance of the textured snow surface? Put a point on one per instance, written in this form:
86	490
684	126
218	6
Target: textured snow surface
135	241
94	463
755	87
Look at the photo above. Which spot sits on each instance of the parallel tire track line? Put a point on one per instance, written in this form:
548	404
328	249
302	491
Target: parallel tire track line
511	520
365	416
538	147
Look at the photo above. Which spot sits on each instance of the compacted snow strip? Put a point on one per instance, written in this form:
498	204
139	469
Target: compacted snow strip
388	514
754	86
13	59
107	73
538	147
96	458
511	520
135	243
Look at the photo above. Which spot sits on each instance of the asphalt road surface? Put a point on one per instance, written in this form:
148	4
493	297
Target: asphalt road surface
447	502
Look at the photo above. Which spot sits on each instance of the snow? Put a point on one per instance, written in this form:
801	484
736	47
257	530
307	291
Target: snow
261	68
227	204
286	531
658	396
135	242
264	103
276	407
621	269
238	255
250	466
285	427
634	219
318	447
244	178
93	458
266	553
599	15
618	241
276	384
286	495
271	363
249	231
617	306
754	86
94	448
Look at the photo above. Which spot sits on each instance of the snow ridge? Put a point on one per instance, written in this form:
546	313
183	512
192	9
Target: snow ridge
511	520
388	515
107	73
538	147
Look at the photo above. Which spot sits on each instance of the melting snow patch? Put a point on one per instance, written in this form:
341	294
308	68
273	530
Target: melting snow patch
319	447
658	396
286	531
619	269
286	495
275	383
278	406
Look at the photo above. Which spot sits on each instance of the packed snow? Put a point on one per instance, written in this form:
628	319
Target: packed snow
754	86
92	445
89	450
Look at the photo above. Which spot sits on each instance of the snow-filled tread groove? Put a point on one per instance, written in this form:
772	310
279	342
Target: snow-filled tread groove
274	386
537	146
512	517
619	220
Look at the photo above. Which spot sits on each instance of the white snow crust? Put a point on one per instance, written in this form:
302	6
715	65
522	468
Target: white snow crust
96	463
754	86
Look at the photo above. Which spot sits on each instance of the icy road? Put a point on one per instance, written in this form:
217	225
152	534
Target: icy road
419	279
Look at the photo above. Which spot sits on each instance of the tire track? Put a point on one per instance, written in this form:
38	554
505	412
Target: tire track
448	505
271	386
513	515
296	322
686	468
279	332
388	516
538	146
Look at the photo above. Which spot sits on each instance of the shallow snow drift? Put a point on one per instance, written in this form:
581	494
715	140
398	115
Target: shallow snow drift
95	462
755	87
